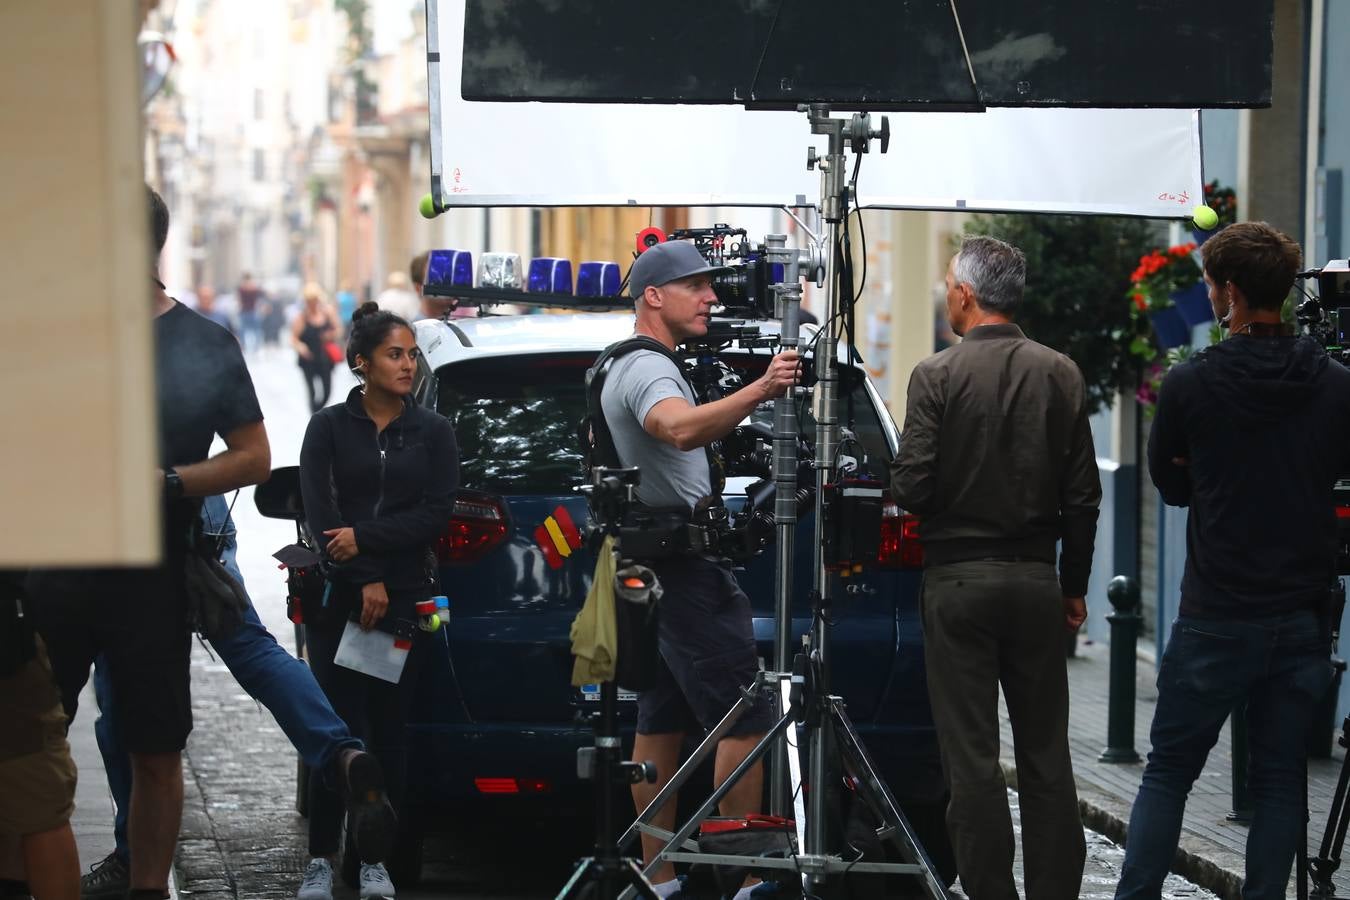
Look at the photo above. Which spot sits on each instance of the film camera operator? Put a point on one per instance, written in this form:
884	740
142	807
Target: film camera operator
707	648
1251	434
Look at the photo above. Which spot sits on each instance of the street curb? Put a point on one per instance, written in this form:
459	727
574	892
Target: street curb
1202	862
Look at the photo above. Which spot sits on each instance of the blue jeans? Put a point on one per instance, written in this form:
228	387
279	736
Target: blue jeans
1281	667
263	668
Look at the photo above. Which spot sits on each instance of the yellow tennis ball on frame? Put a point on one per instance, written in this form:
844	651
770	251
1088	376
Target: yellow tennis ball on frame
1204	217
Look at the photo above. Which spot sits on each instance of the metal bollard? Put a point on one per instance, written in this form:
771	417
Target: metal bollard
1242	801
1123	593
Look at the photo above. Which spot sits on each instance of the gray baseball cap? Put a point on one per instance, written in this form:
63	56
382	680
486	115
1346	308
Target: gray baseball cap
666	262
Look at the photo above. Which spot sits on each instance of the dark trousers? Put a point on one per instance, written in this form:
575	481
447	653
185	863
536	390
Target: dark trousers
375	711
986	624
318	381
1280	666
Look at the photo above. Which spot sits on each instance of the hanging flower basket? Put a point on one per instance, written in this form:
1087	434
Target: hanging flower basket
1193	304
1169	327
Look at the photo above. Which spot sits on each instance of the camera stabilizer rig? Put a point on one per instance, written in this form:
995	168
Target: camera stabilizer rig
604	874
801	682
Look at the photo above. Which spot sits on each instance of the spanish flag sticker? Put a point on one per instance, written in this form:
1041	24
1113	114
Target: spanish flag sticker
558	537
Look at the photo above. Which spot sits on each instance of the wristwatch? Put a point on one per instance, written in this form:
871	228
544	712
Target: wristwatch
173	483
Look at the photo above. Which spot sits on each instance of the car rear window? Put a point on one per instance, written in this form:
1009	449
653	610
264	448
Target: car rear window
516	419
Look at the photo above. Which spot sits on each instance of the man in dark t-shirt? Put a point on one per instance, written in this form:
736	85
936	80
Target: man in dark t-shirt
136	618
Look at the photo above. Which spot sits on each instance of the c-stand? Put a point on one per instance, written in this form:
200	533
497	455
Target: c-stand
803	694
604	874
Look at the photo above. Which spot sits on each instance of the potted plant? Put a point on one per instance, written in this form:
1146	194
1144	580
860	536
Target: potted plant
1167	288
1223	200
1076	266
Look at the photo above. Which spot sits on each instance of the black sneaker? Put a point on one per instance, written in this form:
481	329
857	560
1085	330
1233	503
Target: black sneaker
372	820
107	880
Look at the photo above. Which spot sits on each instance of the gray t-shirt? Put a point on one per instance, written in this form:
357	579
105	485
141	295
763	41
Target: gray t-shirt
636	383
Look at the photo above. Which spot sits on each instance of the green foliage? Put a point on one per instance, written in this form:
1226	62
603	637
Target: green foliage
1078	270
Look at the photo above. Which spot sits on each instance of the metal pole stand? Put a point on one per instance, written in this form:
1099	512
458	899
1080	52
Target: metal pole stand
835	753
1123	593
1242	801
603	875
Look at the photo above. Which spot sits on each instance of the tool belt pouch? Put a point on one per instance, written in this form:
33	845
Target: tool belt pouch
654	533
305	586
754	835
635	613
216	601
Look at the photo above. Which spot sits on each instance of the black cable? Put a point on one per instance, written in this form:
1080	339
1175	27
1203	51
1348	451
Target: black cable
764	51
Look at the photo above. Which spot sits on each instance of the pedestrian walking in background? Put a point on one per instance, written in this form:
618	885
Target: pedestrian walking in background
399	299
346	305
314	335
206	307
250	297
1252	434
378	475
996	458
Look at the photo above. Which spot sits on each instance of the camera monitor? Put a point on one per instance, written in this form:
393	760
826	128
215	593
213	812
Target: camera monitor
875	54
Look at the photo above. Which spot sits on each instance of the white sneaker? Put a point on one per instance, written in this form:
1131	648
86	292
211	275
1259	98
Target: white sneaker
375	882
318	881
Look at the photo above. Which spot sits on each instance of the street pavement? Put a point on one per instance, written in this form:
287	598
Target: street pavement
241	836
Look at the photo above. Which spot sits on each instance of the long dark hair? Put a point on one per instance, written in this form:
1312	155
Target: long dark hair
370	326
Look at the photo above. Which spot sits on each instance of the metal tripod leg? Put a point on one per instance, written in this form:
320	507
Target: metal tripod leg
628	876
685	831
1322	868
701	752
895	827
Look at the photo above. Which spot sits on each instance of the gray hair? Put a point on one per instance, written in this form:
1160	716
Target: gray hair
995	271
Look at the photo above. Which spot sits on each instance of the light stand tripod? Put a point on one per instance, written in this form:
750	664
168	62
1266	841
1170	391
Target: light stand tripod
803	693
603	874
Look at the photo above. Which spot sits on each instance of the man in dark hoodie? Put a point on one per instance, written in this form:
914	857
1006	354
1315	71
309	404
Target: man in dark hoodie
1251	434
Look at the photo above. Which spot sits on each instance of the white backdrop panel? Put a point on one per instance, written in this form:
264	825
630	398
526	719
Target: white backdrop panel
1143	162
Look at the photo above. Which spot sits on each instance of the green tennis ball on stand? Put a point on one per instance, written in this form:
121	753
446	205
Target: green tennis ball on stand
1204	217
427	207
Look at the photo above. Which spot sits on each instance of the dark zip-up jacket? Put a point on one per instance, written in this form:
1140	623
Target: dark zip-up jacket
395	488
1264	426
996	455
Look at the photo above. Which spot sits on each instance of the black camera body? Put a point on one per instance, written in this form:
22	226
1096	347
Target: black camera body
743	291
1326	317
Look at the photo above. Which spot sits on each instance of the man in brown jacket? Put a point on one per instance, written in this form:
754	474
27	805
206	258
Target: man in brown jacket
996	457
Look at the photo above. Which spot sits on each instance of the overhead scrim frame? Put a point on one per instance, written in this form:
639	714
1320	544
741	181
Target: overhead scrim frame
1136	162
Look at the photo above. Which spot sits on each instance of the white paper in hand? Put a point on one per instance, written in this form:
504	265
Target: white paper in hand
371	653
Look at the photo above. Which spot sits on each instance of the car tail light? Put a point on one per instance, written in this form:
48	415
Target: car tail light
1343	512
900	546
512	786
477	526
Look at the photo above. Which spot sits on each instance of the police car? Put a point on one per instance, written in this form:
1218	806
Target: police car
498	722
